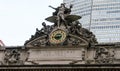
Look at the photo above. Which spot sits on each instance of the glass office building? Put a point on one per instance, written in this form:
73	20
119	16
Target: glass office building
102	17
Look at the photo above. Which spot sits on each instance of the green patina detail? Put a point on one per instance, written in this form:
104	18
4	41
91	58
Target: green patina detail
58	36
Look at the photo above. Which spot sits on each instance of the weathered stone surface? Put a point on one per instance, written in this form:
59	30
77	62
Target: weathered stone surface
60	55
64	42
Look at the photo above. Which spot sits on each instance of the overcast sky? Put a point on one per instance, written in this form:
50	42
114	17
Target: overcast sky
20	18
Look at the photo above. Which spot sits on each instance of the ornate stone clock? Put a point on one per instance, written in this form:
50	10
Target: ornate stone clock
57	36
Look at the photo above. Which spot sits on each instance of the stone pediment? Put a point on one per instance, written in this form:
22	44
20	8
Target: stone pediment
66	31
61	37
64	42
70	40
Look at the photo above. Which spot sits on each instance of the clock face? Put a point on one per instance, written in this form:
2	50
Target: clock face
57	36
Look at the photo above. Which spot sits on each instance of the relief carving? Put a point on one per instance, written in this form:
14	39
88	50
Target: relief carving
61	18
12	57
104	56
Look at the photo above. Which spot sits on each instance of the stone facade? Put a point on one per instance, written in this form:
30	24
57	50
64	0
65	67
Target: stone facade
65	42
95	54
